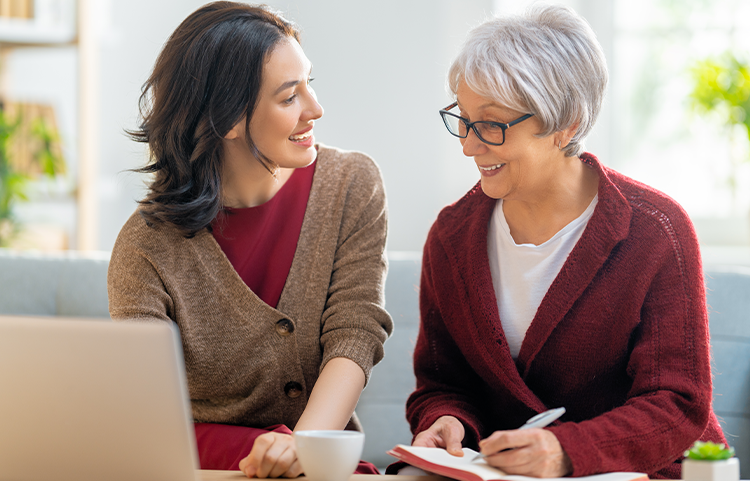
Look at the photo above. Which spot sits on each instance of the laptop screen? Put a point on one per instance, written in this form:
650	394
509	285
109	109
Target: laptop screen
91	399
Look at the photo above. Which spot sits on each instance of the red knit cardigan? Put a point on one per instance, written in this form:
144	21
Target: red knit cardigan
620	339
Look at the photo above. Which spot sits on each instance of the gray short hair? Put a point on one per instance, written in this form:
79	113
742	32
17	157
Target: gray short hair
546	62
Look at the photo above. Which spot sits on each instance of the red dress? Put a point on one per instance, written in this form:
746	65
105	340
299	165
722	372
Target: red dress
260	243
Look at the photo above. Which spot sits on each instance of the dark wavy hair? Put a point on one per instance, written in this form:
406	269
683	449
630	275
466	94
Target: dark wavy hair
205	80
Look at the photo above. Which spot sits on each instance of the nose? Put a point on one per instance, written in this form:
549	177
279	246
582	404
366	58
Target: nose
472	146
313	110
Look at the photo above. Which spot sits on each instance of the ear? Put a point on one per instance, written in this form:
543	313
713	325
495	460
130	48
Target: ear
562	137
237	131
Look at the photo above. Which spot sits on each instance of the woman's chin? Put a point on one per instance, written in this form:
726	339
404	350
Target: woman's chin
298	160
491	189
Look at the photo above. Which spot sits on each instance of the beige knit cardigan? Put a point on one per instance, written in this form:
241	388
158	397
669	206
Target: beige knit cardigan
246	362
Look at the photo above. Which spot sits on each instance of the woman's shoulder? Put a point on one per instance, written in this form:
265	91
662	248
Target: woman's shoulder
464	221
475	203
139	234
645	200
351	164
656	222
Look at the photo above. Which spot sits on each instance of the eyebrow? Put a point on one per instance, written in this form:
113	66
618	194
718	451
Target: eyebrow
488	105
290	83
286	85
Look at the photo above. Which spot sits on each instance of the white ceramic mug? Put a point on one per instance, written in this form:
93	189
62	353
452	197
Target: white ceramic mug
329	455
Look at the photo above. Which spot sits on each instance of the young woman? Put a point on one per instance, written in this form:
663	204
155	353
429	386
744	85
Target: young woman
265	248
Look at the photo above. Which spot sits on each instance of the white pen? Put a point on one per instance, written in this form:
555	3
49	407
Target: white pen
539	421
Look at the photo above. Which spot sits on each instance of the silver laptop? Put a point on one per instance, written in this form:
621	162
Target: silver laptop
93	400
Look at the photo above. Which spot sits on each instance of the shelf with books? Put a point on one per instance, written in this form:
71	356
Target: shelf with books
37	22
48	55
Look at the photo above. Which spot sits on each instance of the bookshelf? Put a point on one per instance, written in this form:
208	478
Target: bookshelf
64	23
37	22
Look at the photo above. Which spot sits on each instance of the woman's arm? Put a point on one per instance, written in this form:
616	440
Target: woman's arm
135	289
668	405
334	396
447	386
331	405
354	323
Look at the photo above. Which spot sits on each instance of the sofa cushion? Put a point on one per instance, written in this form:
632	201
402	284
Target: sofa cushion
728	296
66	284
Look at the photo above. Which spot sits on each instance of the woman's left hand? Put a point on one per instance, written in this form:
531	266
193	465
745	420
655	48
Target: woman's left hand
530	452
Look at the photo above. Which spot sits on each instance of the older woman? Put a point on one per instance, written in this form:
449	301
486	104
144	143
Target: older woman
556	281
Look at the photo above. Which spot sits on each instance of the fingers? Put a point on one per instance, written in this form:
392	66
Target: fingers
453	435
294	470
531	452
501	440
283	461
427	439
447	432
273	455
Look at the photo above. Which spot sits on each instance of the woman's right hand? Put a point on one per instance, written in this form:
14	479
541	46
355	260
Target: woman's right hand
447	432
273	455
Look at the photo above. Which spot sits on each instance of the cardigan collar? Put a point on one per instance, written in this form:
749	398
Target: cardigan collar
292	302
462	231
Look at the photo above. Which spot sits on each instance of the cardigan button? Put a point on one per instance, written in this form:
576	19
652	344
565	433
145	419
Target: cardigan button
284	327
293	389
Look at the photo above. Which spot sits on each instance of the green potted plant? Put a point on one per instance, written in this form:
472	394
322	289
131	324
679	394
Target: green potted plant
14	182
710	462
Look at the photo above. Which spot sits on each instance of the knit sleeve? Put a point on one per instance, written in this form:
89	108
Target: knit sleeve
355	324
669	403
135	289
446	383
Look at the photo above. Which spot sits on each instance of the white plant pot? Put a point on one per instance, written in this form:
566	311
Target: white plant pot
725	470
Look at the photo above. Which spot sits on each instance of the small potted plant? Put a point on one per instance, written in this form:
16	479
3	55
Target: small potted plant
710	462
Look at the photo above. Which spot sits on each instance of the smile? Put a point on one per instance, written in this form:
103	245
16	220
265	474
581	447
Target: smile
301	137
492	167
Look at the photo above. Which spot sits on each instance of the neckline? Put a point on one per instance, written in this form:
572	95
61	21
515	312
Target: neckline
272	200
583	218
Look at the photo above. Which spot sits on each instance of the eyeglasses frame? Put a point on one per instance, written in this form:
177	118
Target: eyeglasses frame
471	125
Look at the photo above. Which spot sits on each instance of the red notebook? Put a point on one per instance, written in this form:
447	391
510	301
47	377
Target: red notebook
438	461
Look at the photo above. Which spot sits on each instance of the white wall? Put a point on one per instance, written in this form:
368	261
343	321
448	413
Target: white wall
380	75
379	69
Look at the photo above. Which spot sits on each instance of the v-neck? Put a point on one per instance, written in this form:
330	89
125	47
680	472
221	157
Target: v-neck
463	235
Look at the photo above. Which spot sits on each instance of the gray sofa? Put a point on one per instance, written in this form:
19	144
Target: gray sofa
75	285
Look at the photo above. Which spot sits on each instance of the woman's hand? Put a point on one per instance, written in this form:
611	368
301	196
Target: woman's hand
447	432
530	452
273	455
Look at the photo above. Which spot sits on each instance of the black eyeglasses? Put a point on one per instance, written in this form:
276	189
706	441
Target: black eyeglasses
492	133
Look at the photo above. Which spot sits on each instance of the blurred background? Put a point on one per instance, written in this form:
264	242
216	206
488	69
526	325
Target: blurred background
676	114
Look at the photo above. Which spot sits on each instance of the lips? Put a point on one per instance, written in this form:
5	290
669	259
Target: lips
302	135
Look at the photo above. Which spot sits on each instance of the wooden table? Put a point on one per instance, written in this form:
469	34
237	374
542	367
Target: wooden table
209	475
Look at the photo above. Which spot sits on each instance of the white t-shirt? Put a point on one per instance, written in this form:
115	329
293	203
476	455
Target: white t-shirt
522	273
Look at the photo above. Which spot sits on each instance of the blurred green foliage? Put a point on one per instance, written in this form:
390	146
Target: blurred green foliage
722	88
13	183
